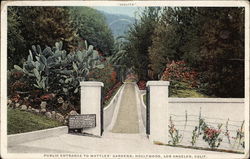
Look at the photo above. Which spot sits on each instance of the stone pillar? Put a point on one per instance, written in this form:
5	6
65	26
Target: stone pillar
158	111
91	103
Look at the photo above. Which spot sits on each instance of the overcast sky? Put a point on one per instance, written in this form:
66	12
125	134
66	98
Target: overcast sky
130	11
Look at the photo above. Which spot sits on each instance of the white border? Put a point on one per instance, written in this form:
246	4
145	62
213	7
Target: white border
224	3
113	3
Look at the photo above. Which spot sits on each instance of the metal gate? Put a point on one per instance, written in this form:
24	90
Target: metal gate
101	109
148	111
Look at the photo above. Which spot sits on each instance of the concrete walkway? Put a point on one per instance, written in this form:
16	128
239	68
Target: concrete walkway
109	143
125	137
127	119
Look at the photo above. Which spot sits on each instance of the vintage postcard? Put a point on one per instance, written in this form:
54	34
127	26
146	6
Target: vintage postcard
124	79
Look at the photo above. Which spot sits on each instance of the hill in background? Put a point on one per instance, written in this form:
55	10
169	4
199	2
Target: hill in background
118	23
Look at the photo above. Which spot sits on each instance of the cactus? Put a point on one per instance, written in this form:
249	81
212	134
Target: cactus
71	68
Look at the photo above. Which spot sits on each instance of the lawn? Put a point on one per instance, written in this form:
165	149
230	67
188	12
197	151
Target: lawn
22	121
188	93
184	93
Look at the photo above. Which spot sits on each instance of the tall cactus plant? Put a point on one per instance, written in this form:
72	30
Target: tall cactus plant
70	68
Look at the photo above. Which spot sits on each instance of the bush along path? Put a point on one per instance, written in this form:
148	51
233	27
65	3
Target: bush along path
127	119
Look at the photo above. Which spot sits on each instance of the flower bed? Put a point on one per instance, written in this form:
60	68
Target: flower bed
184	80
142	84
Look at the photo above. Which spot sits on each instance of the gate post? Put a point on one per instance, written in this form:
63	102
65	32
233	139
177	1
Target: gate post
158	112
91	104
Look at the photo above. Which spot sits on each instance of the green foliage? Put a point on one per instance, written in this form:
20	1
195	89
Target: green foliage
20	121
140	38
211	40
53	70
183	79
187	93
239	139
211	135
107	75
90	24
120	58
222	52
31	25
175	136
15	40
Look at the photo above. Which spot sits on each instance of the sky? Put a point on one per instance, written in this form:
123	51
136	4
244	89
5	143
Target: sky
129	11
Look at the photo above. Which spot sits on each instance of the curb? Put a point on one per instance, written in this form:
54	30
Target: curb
35	135
139	110
116	109
116	99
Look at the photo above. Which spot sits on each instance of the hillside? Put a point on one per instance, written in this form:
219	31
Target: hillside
118	23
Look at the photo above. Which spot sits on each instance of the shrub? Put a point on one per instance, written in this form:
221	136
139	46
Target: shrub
142	84
181	76
107	75
175	136
212	135
52	72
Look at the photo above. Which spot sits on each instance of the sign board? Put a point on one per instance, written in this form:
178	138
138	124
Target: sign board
82	121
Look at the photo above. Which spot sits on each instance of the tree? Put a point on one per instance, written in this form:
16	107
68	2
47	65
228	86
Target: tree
38	25
120	59
176	37
90	24
140	39
211	40
222	51
15	41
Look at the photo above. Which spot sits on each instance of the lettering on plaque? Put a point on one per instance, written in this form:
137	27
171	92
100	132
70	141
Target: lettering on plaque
82	121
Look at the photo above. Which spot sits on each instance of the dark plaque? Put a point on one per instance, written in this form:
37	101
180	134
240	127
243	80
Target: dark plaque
82	121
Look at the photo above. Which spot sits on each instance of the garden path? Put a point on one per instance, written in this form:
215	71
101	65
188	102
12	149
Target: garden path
127	119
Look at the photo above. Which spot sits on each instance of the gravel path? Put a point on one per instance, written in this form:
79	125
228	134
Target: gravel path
127	119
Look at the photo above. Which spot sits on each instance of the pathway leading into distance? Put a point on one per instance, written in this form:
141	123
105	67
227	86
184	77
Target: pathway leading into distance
127	119
124	138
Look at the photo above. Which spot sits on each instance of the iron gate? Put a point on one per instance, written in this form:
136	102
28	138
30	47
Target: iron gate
148	111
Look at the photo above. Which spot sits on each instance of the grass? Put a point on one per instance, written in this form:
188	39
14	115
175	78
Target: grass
22	121
188	93
184	93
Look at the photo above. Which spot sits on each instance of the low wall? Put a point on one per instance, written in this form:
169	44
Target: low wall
142	105
108	111
232	108
185	114
224	108
35	135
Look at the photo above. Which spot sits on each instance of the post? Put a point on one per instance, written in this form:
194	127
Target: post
158	111
91	104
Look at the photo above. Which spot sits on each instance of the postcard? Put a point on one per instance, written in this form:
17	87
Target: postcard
124	79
